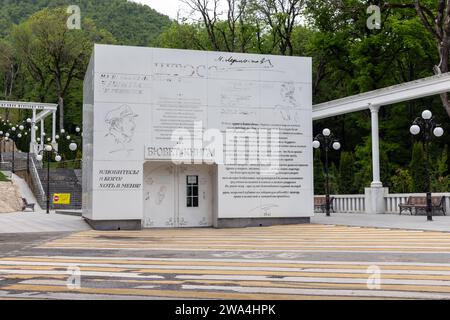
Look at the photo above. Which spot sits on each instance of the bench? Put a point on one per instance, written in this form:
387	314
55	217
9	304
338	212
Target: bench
321	203
420	204
27	205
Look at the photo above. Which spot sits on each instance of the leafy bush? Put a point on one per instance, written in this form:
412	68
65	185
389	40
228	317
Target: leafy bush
402	182
418	168
3	178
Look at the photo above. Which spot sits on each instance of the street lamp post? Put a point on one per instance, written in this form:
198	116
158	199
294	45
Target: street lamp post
427	126
1	142
2	126
47	152
66	140
28	142
327	141
25	125
14	135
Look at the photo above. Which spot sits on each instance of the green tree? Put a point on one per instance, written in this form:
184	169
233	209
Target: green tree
9	71
435	18
402	182
333	178
319	178
129	22
440	179
184	36
346	182
279	19
54	55
418	169
9	68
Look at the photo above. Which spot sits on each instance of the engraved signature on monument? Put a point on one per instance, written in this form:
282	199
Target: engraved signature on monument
174	70
232	60
265	208
238	94
121	127
230	111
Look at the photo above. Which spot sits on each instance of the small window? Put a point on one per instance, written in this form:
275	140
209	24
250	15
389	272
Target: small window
192	191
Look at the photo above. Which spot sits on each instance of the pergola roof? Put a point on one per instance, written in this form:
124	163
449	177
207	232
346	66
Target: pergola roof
390	95
28	105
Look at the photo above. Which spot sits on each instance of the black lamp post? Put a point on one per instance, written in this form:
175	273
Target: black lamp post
3	130
1	143
14	135
427	126
2	125
46	154
26	125
66	140
79	135
327	141
28	142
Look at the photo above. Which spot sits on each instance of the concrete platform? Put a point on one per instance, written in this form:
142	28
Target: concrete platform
440	223
30	222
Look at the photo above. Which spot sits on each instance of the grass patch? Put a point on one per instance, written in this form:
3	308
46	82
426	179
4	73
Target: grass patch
3	178
70	164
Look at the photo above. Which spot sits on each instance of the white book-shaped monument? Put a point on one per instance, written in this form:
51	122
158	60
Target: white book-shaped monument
180	138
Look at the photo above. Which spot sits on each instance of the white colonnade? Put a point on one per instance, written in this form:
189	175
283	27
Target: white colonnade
374	100
40	111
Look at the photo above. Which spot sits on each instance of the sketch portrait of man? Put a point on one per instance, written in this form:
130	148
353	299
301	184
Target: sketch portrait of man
121	126
287	110
287	93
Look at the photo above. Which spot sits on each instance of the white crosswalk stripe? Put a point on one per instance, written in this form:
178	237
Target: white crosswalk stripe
234	264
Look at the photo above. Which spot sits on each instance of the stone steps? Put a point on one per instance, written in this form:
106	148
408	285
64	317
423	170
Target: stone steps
61	180
20	161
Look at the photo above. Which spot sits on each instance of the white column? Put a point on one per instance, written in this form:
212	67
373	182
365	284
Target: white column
54	127
376	182
42	133
33	132
375	195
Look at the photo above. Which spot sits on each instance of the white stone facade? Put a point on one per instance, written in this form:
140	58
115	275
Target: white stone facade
249	123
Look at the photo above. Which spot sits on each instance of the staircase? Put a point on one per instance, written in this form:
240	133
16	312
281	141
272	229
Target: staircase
62	180
20	161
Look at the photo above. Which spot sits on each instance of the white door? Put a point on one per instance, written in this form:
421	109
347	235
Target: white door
177	196
195	195
159	195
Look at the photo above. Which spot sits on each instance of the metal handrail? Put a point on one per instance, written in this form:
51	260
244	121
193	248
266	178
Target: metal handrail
35	176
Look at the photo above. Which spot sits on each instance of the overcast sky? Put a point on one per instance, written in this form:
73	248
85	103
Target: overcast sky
167	7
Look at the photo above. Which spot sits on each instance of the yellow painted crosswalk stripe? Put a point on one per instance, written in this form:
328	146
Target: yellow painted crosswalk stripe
302	238
176	294
228	262
227	267
177	270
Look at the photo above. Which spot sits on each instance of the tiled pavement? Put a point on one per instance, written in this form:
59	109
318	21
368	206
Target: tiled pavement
284	262
439	223
33	222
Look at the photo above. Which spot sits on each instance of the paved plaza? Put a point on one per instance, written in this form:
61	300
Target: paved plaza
284	262
39	221
395	221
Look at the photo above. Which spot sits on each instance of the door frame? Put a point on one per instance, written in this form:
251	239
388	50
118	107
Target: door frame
177	192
